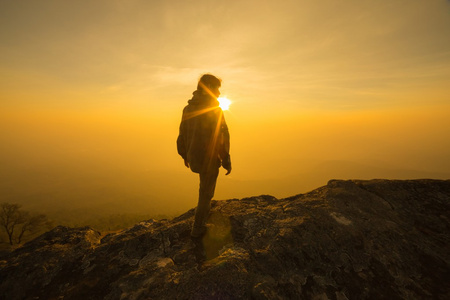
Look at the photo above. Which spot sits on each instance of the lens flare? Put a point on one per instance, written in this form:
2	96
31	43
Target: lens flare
224	103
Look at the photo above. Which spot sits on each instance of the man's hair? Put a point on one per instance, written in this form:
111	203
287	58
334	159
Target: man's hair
209	81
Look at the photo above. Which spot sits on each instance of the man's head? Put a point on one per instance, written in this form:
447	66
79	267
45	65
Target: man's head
209	84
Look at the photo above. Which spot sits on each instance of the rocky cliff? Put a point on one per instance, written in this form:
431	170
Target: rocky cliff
377	239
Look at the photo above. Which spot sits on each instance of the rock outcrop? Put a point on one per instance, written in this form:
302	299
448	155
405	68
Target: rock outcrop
377	239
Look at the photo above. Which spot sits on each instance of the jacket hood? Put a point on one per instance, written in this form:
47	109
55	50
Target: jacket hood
199	98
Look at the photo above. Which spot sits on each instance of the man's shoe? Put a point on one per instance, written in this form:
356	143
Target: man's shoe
198	232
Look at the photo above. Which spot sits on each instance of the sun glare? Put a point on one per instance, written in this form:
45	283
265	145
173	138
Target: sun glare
224	103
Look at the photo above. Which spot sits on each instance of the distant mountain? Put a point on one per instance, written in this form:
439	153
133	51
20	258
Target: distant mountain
309	177
66	192
350	239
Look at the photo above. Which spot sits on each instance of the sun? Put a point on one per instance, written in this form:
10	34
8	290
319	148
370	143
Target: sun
224	103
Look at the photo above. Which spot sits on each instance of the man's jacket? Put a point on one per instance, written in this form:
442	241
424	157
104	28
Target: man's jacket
204	140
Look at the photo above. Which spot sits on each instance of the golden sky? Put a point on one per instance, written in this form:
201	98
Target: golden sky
320	89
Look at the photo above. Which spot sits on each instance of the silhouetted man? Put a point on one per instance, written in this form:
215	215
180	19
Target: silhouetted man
204	144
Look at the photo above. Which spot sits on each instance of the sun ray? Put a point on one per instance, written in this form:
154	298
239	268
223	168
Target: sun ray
206	89
213	145
193	114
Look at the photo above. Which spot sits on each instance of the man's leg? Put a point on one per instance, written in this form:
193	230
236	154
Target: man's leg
206	193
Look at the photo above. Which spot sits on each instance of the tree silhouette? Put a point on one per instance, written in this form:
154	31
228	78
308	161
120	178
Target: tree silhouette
17	223
33	223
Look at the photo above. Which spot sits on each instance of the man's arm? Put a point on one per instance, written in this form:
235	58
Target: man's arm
181	146
225	146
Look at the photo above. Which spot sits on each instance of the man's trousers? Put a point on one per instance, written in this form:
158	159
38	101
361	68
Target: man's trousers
208	181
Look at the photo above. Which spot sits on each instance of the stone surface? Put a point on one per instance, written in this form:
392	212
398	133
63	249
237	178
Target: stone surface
377	239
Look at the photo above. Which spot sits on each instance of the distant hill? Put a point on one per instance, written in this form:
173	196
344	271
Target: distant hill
350	239
309	177
75	194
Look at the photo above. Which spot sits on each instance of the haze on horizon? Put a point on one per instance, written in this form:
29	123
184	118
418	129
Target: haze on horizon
91	94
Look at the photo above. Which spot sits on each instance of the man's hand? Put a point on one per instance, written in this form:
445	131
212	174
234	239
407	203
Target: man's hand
186	163
226	164
228	170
